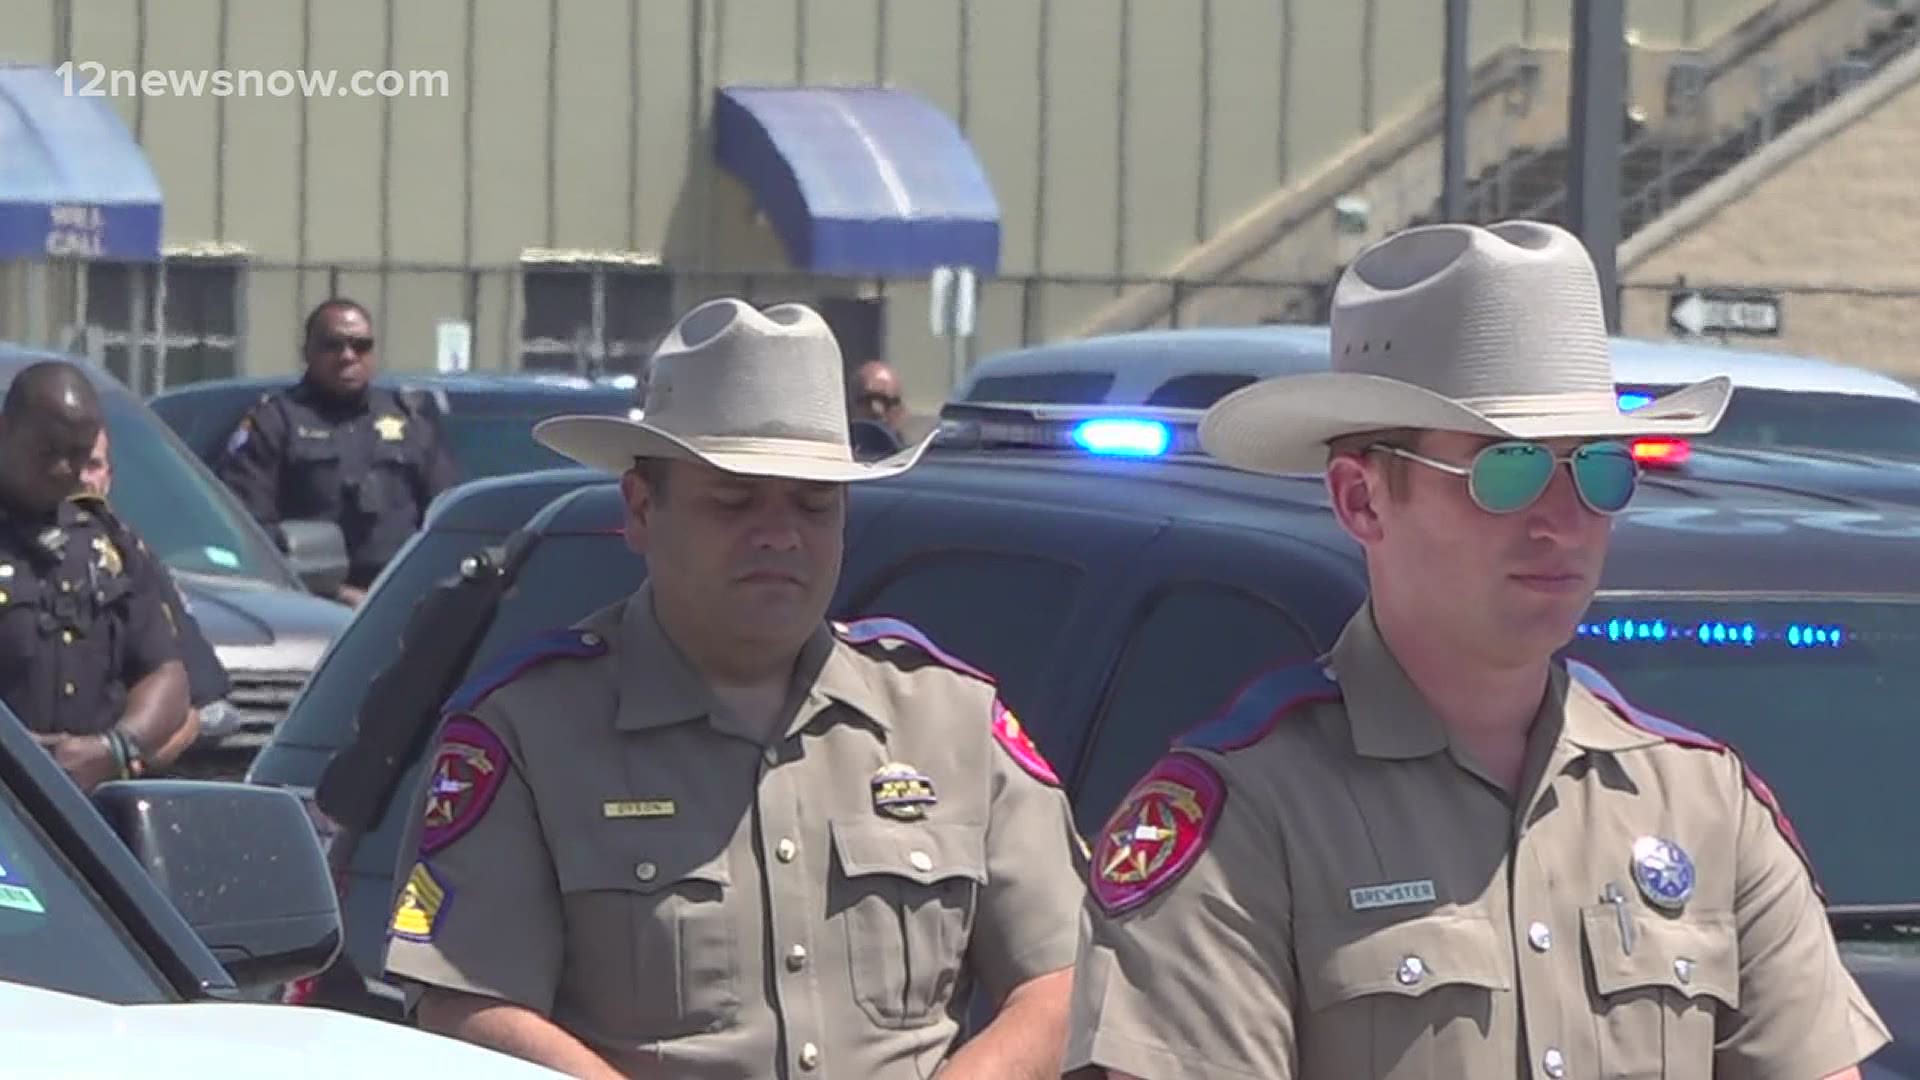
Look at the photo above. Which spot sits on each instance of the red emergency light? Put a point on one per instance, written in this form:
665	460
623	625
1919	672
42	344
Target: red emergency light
1661	452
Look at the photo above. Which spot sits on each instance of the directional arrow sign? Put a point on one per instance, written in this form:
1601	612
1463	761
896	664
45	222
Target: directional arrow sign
1710	311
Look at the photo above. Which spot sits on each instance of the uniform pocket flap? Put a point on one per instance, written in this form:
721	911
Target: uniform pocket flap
644	865
1694	954
923	851
1345	959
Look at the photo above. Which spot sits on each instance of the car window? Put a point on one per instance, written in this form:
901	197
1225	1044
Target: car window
1197	391
1044	388
177	506
54	931
494	445
1000	612
1851	423
1192	646
1817	695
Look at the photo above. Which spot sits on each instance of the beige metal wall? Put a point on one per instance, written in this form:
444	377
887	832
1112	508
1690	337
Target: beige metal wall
1117	133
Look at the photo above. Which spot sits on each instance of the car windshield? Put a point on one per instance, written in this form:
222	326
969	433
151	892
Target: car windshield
1820	702
54	931
493	445
177	506
1796	420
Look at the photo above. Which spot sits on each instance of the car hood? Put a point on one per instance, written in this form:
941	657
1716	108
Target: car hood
253	626
41	1030
1813	471
1890	977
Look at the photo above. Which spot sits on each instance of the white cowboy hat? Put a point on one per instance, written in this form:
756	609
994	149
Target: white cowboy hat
1490	331
750	392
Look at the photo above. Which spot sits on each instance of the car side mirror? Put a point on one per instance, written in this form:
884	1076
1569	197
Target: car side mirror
242	864
318	552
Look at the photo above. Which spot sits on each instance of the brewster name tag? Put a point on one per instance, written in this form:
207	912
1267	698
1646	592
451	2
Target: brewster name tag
1394	895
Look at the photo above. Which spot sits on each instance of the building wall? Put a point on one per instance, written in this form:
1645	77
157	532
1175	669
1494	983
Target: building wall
1825	232
1117	133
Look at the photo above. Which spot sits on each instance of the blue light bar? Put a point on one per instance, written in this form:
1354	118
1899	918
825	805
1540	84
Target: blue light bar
1123	437
1717	634
1630	401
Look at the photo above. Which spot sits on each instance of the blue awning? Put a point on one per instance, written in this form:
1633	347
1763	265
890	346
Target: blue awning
862	181
73	182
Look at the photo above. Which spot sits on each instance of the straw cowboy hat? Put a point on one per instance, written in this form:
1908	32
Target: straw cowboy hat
760	393
1490	331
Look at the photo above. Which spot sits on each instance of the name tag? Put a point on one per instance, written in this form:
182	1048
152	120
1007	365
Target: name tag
646	808
1395	895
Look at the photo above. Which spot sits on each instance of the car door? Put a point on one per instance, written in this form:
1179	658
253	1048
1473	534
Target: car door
1011	587
1208	608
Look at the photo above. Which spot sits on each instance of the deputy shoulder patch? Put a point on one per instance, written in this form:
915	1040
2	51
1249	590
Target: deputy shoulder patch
1261	704
1681	735
1013	738
1157	834
881	629
467	771
522	658
423	903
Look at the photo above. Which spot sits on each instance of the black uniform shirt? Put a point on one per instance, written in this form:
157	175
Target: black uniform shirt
370	466
83	618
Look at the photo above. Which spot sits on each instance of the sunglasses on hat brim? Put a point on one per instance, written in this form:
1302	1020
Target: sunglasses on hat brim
1507	477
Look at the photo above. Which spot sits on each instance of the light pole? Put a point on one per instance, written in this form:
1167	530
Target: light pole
1453	180
1595	123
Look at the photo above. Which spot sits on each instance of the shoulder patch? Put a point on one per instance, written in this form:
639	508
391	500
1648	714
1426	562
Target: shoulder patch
467	770
1679	734
869	631
1157	834
1261	704
522	658
424	901
1013	738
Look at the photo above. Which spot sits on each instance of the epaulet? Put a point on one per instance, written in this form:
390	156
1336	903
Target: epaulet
1260	705
1680	735
571	644
881	629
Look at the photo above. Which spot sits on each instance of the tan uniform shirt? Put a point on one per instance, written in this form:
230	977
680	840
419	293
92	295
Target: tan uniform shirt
631	862
1329	891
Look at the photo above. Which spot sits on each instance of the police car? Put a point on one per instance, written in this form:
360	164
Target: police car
1780	403
1121	588
133	928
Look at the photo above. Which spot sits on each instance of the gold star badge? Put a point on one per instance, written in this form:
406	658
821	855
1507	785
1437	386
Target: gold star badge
391	428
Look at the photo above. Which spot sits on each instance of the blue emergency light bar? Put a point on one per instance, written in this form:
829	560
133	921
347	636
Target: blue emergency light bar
1630	401
1119	436
1716	633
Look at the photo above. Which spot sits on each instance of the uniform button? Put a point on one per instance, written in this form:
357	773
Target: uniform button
1540	937
66	637
796	958
66	586
68	689
1412	970
772	755
646	871
920	861
1554	1062
809	1056
1683	970
590	639
785	850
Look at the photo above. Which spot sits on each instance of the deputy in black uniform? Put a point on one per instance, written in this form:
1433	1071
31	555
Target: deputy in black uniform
89	650
336	448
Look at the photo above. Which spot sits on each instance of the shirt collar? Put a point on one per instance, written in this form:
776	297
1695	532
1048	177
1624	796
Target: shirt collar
1386	715
659	687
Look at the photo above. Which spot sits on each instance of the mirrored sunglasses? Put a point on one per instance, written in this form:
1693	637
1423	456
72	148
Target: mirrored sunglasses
1508	477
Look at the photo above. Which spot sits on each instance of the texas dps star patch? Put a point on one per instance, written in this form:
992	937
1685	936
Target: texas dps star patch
467	772
1157	833
423	901
1008	732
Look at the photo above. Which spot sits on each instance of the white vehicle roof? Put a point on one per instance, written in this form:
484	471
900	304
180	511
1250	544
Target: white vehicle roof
45	1033
1142	360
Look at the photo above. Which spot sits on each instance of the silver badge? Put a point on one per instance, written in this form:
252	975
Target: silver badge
1663	871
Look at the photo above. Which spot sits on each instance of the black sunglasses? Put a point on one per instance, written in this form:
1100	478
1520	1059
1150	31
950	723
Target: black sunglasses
336	343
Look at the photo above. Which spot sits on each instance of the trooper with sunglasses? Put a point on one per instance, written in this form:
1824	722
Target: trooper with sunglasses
334	447
1440	850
